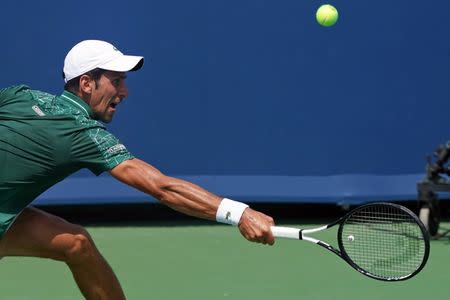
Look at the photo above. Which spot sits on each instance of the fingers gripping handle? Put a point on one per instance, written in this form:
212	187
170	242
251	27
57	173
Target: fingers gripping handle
286	232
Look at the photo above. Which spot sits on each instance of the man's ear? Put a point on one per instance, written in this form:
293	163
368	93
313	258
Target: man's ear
87	85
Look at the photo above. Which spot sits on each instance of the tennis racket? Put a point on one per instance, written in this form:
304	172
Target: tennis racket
384	241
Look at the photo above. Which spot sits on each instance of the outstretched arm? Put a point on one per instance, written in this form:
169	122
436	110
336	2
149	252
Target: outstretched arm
189	198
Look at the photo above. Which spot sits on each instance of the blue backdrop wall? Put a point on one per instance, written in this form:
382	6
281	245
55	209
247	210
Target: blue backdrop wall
256	89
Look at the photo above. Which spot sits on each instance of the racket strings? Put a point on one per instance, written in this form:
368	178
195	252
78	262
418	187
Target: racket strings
384	241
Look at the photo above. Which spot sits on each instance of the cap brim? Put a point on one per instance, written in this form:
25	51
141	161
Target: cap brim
124	63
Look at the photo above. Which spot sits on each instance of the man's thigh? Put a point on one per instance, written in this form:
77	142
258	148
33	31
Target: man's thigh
39	234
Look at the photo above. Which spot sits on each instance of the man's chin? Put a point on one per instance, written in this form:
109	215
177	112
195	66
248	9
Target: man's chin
105	118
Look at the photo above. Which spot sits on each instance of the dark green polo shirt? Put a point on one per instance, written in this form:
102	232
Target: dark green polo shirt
43	139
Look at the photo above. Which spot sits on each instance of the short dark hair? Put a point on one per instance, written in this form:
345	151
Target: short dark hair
74	84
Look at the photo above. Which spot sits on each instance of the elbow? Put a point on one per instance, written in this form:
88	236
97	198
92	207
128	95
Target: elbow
146	178
160	187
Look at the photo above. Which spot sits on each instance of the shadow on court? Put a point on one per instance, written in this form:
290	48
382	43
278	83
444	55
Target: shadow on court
157	214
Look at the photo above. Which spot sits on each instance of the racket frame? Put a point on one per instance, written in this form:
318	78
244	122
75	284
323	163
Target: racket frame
301	234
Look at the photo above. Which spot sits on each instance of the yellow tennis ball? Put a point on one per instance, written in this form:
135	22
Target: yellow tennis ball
327	15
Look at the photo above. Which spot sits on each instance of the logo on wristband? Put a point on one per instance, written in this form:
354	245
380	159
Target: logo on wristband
228	215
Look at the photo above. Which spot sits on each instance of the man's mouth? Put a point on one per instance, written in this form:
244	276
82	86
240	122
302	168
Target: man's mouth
113	105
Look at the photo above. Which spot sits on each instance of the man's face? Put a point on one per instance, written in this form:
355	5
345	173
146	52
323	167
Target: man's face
107	94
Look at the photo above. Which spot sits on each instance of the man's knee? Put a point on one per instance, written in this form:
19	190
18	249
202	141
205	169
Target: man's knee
81	248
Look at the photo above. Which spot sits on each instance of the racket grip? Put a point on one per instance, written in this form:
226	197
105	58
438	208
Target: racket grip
286	232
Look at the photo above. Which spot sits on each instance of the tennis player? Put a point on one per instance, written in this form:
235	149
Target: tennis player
44	138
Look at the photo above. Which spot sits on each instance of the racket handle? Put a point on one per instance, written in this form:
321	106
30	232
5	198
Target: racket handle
286	232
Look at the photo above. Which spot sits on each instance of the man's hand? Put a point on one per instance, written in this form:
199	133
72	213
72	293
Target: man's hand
255	227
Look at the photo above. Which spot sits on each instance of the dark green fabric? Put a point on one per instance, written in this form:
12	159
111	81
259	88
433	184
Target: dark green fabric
43	139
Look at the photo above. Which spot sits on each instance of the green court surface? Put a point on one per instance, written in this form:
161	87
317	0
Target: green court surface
207	261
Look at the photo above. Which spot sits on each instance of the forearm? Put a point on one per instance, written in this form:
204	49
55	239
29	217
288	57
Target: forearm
188	198
178	194
193	200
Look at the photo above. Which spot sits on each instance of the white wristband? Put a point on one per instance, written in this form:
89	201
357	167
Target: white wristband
230	211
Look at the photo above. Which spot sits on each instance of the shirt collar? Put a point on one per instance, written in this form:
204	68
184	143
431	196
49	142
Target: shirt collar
77	102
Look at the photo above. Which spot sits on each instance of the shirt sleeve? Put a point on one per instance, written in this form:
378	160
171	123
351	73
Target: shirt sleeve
6	94
99	150
2	96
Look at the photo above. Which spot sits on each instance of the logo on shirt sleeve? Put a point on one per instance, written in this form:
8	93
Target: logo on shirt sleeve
38	111
116	148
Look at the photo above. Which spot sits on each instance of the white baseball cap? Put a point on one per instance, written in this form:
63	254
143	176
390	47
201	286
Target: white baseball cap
91	54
